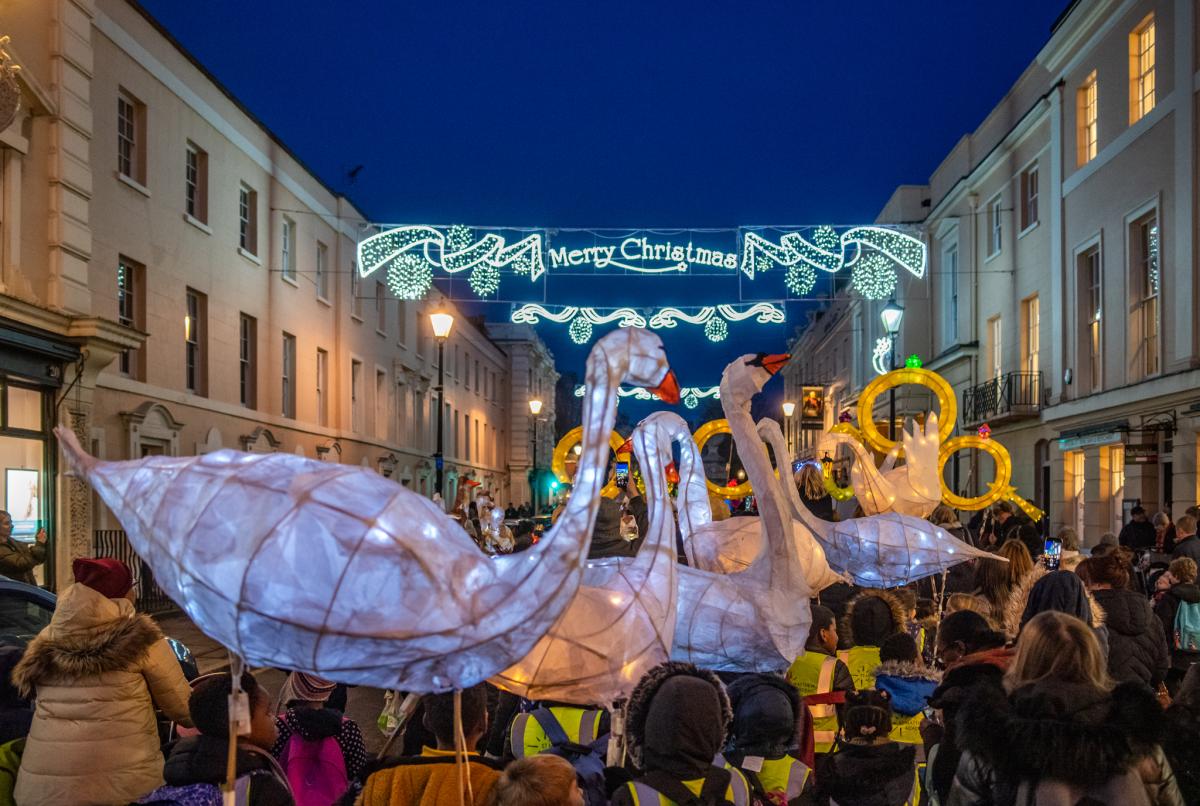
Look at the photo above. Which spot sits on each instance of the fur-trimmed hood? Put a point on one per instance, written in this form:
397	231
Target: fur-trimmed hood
649	686
870	599
88	635
1063	732
1014	608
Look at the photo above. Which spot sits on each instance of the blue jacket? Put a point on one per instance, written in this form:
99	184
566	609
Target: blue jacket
909	685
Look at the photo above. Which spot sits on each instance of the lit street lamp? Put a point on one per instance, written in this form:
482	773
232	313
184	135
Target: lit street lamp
535	408
789	408
892	314
443	323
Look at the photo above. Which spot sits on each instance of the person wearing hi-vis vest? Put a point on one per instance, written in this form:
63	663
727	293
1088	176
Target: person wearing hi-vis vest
903	675
528	735
821	679
766	735
871	618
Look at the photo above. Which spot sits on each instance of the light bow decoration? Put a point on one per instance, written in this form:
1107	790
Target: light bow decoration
410	255
879	356
868	435
714	318
690	395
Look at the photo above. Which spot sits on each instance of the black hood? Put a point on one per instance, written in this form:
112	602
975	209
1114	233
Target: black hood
1061	591
1126	612
766	712
881	773
1186	592
202	759
1066	732
314	723
678	715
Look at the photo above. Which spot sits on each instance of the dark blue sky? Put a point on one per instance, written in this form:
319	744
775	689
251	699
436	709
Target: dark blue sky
619	114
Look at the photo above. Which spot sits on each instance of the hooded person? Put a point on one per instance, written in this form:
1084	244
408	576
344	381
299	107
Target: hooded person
1137	647
1043	590
768	720
676	725
98	671
869	769
312	738
908	683
871	618
1181	735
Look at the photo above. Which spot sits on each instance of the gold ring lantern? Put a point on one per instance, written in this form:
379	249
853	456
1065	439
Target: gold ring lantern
831	485
999	486
703	434
947	415
558	463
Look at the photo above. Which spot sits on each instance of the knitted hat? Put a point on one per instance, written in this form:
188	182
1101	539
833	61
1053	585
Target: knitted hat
105	575
306	688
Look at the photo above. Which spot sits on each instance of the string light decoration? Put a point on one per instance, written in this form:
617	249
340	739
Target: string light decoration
410	276
716	330
873	276
641	393
580	330
883	348
826	251
800	279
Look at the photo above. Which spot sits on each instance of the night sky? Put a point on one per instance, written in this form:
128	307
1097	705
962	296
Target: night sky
619	114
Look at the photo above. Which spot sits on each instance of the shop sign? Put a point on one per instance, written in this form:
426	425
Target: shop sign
1141	454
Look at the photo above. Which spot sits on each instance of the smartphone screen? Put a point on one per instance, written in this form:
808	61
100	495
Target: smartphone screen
622	474
1053	553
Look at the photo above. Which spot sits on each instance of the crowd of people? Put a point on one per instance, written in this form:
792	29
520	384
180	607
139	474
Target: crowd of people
1034	678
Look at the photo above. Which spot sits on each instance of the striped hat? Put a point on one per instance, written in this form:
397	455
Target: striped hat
306	688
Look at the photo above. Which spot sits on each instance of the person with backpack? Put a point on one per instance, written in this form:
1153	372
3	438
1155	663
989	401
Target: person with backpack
902	674
320	750
1178	610
197	765
541	780
822	679
676	723
433	778
868	769
768	720
577	734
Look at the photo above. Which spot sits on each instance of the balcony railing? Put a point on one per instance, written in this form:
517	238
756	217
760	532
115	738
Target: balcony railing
1007	397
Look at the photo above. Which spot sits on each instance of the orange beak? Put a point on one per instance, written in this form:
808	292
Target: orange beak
672	473
668	389
776	362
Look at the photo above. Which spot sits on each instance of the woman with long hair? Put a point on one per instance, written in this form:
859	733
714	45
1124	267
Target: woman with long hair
996	580
811	484
1060	729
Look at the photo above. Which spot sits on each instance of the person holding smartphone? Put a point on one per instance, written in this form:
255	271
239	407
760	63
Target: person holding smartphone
17	560
607	538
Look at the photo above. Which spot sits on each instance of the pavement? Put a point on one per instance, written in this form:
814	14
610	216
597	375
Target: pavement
363	704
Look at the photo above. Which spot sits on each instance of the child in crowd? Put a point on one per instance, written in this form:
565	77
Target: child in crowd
767	726
320	750
821	678
871	618
902	674
538	781
869	768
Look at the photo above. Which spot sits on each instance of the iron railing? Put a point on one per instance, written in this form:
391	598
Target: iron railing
1009	396
114	543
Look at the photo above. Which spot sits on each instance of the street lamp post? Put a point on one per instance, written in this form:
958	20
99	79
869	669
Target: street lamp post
892	314
789	408
442	323
535	408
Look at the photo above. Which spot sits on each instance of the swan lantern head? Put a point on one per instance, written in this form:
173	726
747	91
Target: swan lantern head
648	365
746	376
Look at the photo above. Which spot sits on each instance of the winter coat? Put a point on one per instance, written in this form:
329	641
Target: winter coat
1019	527
10	762
315	724
606	534
203	759
17	560
909	685
1188	547
431	779
1138	535
1166	609
881	774
1052	742
1181	744
981	669
97	671
878	615
1014	608
1137	647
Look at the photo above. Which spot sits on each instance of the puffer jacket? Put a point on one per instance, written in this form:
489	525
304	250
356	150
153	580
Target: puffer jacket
1058	743
97	672
1137	648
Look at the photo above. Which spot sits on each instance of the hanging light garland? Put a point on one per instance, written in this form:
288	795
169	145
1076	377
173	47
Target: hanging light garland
873	276
410	276
714	318
580	330
716	330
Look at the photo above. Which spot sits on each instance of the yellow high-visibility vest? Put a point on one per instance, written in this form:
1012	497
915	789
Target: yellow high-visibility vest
862	661
812	673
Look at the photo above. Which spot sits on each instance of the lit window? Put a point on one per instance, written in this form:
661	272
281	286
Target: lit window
1146	282
195	334
1086	113
1091	302
1031	314
1141	70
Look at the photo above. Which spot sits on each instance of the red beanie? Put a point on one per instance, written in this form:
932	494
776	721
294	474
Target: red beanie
104	575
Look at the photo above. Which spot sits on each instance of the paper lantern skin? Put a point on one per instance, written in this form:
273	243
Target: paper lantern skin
337	571
621	622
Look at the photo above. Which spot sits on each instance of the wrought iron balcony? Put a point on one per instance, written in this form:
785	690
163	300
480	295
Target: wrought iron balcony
1012	396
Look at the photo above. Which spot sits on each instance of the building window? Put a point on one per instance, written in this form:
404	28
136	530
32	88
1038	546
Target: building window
195	178
1141	70
1078	483
1086	110
402	321
1030	334
1029	197
1146	285
288	377
995	348
381	404
322	270
248	361
356	396
195	333
466	370
1116	468
1091	302
322	386
950	293
131	310
380	308
995	226
355	291
287	257
248	219
131	137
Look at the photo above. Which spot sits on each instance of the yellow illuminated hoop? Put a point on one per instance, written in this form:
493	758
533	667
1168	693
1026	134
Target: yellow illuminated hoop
558	463
703	434
947	414
831	486
999	490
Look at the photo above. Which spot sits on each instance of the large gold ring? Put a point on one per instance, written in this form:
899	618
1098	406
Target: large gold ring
703	434
831	486
999	487
558	462
947	415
